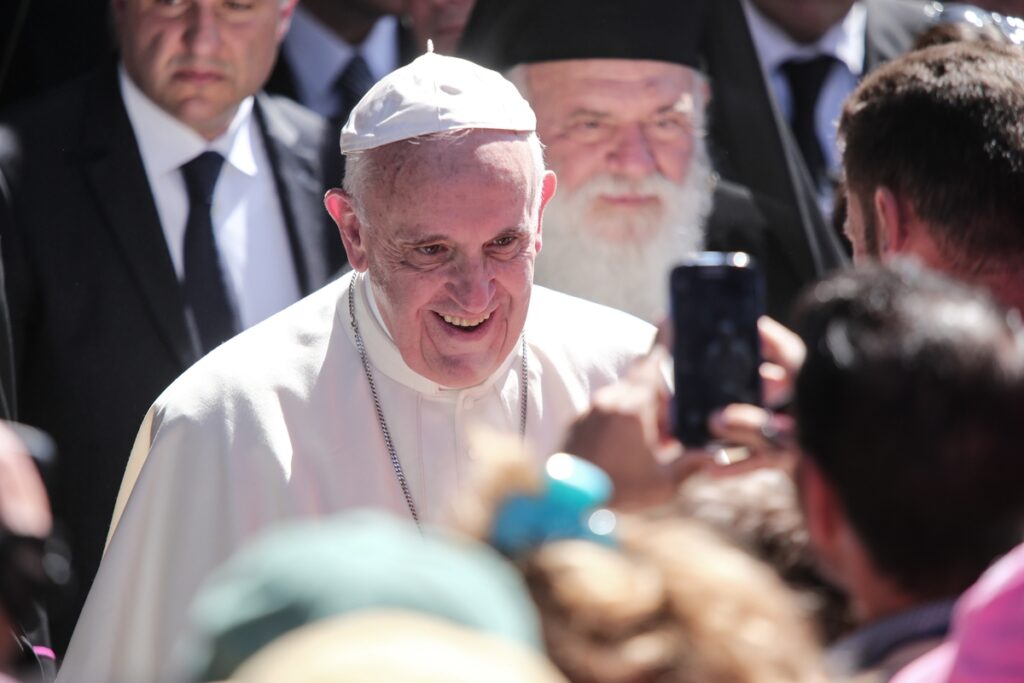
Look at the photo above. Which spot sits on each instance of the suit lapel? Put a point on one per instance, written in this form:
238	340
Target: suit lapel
754	144
300	191
114	168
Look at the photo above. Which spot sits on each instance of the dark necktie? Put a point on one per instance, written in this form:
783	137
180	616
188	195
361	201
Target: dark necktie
212	315
351	85
805	80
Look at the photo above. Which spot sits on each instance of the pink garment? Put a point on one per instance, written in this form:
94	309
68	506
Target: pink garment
987	640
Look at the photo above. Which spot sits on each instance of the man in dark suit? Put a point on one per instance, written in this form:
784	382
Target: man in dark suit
148	212
812	56
334	52
754	143
337	49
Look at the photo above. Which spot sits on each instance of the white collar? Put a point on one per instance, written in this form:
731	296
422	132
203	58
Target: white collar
845	41
165	143
318	55
384	355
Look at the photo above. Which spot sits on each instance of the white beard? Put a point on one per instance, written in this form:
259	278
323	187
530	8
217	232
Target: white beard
630	270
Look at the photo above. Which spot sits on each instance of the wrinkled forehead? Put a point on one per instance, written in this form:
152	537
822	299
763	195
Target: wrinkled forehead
611	82
414	171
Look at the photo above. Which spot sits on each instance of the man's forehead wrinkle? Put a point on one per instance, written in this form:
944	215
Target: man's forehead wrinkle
389	161
627	100
422	170
584	110
598	74
413	234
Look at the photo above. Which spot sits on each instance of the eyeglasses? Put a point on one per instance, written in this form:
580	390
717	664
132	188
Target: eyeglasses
961	13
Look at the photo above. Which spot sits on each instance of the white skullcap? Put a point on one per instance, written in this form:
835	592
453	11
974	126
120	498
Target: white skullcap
434	94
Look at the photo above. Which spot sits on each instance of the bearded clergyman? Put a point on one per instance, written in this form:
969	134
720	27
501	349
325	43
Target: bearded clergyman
360	395
621	107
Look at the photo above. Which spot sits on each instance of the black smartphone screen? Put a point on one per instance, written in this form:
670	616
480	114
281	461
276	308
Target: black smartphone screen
716	299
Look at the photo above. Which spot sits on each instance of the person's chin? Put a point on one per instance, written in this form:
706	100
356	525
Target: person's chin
463	371
464	357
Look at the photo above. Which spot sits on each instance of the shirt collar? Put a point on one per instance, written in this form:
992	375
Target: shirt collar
869	645
845	41
318	55
165	143
384	355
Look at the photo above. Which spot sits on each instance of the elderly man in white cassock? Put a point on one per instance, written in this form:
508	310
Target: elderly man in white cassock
360	394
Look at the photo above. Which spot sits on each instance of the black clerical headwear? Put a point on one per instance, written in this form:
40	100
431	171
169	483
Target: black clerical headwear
503	33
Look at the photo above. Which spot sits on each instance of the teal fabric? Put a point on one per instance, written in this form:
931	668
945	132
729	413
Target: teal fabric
307	571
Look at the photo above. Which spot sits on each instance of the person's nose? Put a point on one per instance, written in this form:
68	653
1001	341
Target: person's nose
472	285
203	32
632	155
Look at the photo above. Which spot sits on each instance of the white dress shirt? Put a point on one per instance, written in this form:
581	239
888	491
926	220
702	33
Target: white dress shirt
845	42
279	423
248	226
317	56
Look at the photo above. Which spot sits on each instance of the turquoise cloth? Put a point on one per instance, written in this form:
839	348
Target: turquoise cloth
308	571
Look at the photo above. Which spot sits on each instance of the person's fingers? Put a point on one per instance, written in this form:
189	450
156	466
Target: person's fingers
739	424
24	507
685	464
780	345
664	336
776	384
647	370
753	427
756	461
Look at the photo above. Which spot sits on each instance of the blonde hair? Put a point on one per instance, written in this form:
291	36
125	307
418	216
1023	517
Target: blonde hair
673	602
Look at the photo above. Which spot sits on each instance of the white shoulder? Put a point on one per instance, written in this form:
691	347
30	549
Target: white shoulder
584	332
282	353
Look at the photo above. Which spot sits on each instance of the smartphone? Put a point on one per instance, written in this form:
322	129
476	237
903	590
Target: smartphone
716	299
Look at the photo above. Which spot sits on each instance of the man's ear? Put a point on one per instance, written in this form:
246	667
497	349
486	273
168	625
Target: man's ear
339	205
547	191
285	18
892	221
823	511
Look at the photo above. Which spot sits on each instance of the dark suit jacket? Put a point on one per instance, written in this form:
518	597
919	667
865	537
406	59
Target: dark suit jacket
753	147
97	316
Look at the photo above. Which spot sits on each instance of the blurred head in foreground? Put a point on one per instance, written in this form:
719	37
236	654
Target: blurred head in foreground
371	646
661	600
909	409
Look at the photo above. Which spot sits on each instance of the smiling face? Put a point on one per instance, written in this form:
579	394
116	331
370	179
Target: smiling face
618	131
450	236
197	59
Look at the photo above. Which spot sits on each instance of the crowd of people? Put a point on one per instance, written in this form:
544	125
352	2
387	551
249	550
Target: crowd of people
335	342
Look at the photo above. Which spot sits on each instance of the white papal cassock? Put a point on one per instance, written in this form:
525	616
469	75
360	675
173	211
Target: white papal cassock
279	423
